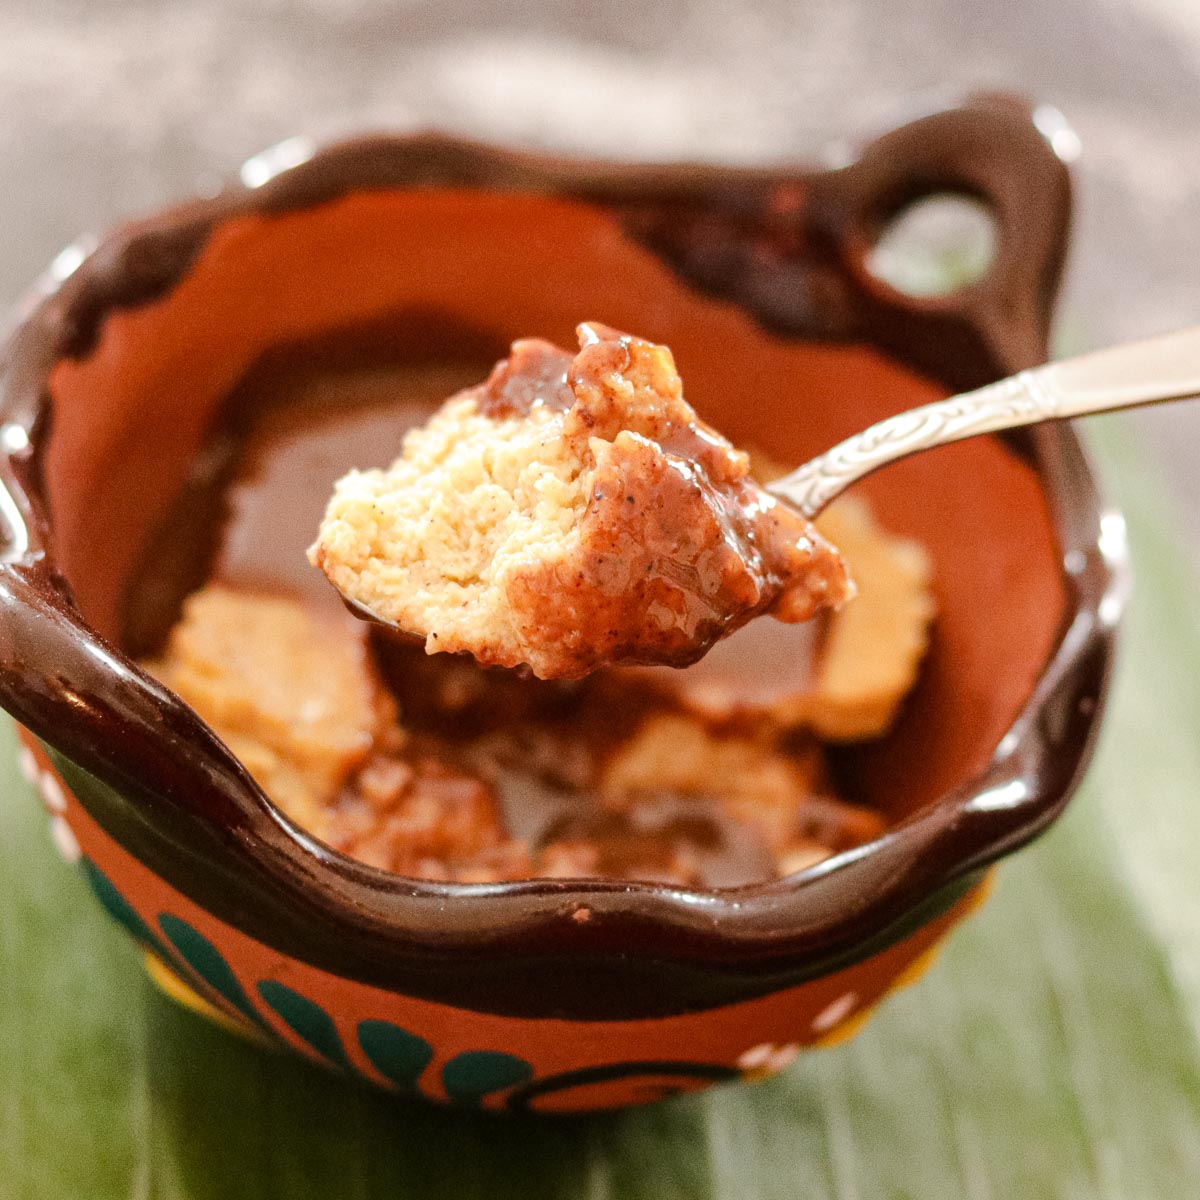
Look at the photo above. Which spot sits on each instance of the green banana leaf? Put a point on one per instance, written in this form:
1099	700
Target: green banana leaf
1051	1052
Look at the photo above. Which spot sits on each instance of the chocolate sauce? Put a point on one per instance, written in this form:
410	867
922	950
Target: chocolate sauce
535	374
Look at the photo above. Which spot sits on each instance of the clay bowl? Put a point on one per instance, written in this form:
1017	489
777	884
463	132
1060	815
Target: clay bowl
556	995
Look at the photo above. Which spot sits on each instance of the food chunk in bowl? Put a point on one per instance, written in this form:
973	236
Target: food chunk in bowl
571	513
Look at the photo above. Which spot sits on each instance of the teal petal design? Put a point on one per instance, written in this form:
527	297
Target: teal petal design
307	1020
120	909
477	1073
394	1052
209	963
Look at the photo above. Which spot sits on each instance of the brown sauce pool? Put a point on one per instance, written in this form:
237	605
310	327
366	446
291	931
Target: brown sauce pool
244	518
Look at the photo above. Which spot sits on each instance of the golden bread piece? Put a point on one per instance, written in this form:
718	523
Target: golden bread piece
298	701
571	513
752	780
295	698
780	796
872	649
426	819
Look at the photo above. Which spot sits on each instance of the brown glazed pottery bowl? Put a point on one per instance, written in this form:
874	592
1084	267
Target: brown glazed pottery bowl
556	995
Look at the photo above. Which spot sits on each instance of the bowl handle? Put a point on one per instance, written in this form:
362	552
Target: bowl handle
1010	155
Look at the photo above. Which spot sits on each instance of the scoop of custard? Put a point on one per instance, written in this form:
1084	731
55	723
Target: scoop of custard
573	512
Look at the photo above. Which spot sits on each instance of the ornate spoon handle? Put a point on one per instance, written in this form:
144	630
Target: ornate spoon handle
1150	372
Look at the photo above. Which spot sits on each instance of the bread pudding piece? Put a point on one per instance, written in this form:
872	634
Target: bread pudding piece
419	816
295	699
570	513
298	701
783	797
872	649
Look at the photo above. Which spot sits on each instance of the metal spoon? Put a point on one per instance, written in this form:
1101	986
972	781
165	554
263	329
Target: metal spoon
1149	372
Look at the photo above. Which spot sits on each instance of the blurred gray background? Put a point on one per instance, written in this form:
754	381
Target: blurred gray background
108	107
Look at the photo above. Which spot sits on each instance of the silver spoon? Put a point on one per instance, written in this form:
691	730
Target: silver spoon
1149	372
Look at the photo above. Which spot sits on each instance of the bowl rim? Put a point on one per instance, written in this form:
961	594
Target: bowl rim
702	947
